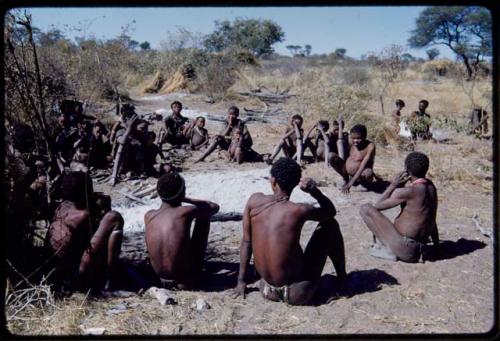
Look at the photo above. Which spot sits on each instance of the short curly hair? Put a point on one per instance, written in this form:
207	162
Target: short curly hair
360	129
400	102
234	109
287	173
171	187
324	124
175	102
417	164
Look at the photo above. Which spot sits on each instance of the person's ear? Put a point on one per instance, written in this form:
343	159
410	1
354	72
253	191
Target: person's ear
273	182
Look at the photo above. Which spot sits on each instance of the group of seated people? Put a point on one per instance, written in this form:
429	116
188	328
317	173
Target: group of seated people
85	238
85	235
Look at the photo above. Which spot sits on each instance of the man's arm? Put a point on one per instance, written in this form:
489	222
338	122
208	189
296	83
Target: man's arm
392	197
361	168
326	140
326	209
204	209
245	252
340	142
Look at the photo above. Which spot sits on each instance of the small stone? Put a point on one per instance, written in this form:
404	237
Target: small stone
201	304
164	296
93	331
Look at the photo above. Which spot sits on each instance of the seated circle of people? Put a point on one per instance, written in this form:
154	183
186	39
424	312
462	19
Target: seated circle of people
174	252
272	226
242	142
406	238
83	238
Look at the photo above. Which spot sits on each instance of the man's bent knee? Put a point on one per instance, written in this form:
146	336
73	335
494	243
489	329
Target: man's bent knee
365	209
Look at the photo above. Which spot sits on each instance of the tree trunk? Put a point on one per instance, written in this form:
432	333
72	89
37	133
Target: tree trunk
470	72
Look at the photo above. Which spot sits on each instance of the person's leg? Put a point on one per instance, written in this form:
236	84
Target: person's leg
239	155
104	248
326	241
217	141
385	232
339	166
308	144
199	241
281	145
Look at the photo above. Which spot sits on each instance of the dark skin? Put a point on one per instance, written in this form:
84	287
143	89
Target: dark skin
327	147
359	165
288	142
234	152
79	245
396	116
198	135
223	139
173	253
417	219
271	231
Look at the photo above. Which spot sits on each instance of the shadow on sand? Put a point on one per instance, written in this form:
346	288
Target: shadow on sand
448	249
358	282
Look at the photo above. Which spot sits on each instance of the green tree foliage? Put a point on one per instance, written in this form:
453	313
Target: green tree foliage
465	30
255	35
340	52
145	45
432	53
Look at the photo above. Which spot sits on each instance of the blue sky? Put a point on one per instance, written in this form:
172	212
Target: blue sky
357	29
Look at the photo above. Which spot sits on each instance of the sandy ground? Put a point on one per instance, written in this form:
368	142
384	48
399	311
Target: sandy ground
451	293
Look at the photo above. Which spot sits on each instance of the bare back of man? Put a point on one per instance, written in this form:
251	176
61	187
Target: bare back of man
271	230
174	252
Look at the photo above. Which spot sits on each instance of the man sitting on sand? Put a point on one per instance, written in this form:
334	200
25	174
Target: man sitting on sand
327	142
358	168
198	134
291	142
405	239
223	140
175	126
176	253
272	225
85	239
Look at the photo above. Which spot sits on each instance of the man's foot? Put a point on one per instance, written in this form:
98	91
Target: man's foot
382	251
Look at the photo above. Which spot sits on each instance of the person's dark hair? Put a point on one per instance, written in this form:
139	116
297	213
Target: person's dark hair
171	187
424	101
234	109
400	102
77	187
360	129
200	118
324	124
287	173
297	117
175	102
417	164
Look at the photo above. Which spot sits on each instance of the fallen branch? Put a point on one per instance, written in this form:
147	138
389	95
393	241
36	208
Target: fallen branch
134	198
229	216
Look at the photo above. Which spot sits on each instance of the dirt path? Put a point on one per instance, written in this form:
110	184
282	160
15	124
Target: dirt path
452	293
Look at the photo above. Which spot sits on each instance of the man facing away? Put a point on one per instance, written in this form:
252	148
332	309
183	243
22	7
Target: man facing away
272	225
406	237
174	252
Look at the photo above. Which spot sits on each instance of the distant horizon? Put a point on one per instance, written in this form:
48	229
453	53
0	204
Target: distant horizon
360	30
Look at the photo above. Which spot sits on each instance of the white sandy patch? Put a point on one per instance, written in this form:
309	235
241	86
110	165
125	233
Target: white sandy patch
228	188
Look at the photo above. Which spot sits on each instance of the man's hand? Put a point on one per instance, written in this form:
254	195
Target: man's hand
345	189
240	290
307	185
130	122
401	179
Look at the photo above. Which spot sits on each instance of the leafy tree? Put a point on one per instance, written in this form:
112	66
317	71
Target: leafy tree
340	52
465	30
432	53
407	57
145	45
295	50
307	50
257	36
